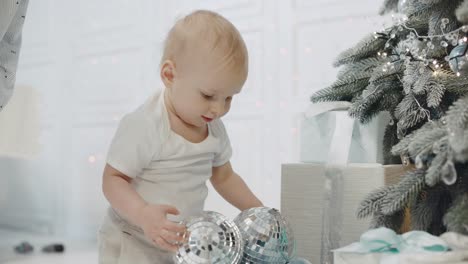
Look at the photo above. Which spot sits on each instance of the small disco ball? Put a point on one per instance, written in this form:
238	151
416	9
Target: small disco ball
457	59
212	238
267	236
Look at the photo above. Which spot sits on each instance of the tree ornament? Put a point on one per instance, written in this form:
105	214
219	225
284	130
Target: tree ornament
458	59
266	235
449	173
212	238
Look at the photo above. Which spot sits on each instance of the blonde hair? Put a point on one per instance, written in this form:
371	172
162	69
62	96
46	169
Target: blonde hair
218	35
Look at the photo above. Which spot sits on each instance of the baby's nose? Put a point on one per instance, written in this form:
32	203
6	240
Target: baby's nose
217	108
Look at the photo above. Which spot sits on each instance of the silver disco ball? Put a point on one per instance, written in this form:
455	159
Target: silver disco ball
267	236
212	238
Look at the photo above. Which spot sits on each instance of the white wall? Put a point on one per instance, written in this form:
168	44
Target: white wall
92	61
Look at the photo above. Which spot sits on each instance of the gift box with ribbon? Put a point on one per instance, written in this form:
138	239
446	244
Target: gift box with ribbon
321	196
384	246
321	200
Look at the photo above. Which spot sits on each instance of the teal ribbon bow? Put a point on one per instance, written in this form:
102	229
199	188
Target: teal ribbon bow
384	240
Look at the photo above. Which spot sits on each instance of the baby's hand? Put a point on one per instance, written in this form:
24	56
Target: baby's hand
164	233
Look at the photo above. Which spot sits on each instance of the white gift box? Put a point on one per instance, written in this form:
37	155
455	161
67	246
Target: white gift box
340	165
451	257
325	124
356	258
410	252
320	202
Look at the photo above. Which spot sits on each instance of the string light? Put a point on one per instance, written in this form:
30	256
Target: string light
417	46
443	35
92	159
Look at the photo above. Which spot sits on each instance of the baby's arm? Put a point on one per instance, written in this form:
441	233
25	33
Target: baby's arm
232	188
151	218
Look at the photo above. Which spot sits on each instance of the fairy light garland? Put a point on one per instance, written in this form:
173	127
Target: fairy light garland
414	42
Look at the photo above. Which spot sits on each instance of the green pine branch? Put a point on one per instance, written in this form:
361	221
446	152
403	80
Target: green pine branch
422	211
402	148
404	192
413	71
457	115
419	12
374	99
367	47
429	209
440	10
372	202
380	75
343	89
410	112
364	66
423	143
457	125
453	83
433	175
435	93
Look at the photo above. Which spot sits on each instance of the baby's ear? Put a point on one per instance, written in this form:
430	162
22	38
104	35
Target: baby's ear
167	73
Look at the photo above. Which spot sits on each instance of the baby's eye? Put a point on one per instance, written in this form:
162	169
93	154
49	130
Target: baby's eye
207	96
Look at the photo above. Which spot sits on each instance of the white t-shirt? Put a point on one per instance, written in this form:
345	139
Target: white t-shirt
165	167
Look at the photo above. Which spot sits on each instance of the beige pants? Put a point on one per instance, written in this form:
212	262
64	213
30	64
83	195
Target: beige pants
120	244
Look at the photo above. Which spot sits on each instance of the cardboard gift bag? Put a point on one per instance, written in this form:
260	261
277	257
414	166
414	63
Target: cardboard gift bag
321	127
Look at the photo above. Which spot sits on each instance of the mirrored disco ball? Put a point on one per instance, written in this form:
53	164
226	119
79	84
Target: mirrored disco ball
267	236
212	238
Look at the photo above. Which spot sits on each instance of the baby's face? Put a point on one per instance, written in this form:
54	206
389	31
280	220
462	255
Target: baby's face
204	92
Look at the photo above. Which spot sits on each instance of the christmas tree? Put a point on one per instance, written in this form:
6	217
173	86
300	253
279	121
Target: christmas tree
416	70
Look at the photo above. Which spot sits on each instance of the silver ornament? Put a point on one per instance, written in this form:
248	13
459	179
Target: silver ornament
458	59
449	173
419	162
212	238
267	236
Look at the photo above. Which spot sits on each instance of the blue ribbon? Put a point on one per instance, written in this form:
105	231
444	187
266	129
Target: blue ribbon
386	240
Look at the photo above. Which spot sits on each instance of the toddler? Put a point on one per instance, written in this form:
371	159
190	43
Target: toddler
164	152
